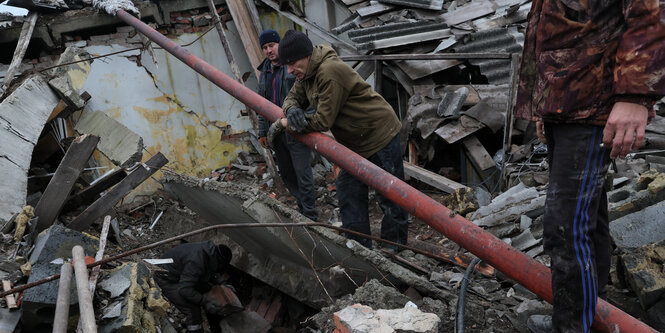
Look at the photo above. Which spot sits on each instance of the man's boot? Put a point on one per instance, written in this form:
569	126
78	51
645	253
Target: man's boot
539	324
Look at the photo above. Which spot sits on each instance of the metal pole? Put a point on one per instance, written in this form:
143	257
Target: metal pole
490	249
62	304
86	311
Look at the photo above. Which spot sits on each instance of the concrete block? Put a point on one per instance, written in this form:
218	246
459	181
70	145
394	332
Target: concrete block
8	320
641	228
77	72
359	319
156	302
72	97
644	273
363	319
627	200
22	117
409	319
117	142
135	300
39	302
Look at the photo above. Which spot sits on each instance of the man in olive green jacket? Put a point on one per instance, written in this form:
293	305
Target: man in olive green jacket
357	116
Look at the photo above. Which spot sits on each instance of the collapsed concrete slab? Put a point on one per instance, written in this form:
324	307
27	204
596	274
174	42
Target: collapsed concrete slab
117	142
38	303
313	265
641	228
22	117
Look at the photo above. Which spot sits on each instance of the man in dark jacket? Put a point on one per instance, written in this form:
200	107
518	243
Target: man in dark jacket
294	158
195	269
591	73
357	116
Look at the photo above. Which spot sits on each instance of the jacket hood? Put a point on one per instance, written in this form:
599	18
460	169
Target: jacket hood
319	54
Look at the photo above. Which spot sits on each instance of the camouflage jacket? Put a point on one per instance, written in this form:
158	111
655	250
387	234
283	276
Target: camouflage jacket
580	57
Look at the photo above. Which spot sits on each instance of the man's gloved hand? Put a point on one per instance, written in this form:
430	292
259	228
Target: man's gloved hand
296	119
275	130
263	141
211	305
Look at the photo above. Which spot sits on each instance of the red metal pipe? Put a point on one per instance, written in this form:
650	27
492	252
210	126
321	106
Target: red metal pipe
515	264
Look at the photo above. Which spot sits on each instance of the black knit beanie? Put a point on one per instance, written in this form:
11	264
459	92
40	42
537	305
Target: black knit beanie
268	36
295	45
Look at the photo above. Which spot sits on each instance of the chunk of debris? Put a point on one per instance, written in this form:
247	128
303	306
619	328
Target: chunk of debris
38	304
117	142
22	117
363	319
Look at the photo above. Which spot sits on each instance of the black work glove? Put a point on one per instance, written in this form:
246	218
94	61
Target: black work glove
211	305
275	130
296	119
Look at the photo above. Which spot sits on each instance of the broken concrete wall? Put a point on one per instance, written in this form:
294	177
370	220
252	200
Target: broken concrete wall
22	116
173	109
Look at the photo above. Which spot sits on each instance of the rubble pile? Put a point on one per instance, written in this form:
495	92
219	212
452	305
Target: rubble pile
456	107
457	135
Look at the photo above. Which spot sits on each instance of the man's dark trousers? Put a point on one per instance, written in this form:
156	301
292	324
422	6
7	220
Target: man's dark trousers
294	160
192	311
352	195
576	227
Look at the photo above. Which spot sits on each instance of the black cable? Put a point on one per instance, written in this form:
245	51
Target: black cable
461	300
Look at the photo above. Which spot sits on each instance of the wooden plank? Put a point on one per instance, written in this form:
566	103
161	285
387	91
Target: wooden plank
57	110
11	300
247	31
267	156
313	28
431	178
63	180
91	193
456	130
21	47
477	153
142	172
254	14
94	273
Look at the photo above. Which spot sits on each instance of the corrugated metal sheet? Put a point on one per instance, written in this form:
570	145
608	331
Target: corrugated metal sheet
425	4
493	40
396	34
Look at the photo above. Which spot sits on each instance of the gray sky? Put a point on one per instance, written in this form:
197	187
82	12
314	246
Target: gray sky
14	10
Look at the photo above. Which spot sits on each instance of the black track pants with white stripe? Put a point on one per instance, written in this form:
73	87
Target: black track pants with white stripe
576	228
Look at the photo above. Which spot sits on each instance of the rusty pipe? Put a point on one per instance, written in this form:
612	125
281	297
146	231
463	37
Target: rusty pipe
515	264
62	302
86	310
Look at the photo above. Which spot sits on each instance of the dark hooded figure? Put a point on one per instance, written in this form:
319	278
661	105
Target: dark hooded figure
195	269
